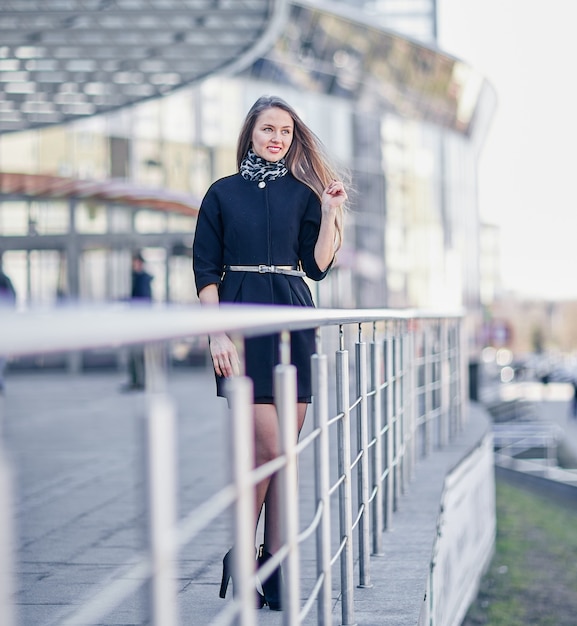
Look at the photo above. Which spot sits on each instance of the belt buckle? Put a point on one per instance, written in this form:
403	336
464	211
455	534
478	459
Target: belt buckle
264	269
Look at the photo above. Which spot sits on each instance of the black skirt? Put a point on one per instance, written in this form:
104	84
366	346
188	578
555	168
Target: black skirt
261	354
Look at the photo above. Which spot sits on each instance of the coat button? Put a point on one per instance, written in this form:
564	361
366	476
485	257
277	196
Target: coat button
262	184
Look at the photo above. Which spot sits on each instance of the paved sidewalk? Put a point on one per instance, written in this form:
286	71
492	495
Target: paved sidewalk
74	443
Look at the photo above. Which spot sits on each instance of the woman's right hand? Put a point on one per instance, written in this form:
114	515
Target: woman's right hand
224	356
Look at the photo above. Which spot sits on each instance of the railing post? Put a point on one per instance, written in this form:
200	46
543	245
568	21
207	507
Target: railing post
344	470
239	394
376	356
412	397
161	491
402	409
456	379
462	378
363	468
445	383
435	383
7	612
285	390
427	443
389	411
322	482
396	422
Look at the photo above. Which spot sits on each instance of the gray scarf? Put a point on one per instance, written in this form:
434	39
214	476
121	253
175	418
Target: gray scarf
254	167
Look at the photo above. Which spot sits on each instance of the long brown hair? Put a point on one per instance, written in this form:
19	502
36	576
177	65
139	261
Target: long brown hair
307	159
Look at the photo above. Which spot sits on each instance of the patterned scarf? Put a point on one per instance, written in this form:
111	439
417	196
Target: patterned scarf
254	167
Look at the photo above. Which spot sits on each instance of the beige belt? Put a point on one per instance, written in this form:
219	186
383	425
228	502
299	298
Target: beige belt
266	269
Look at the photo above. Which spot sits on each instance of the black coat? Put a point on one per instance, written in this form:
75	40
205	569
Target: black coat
242	224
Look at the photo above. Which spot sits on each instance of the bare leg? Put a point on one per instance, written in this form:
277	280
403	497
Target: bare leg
267	448
266	434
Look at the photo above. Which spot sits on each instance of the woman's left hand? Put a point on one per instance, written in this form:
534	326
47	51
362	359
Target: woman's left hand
334	196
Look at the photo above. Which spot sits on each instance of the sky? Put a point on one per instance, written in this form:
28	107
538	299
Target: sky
527	49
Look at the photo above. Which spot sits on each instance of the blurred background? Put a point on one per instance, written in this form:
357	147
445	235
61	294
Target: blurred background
453	116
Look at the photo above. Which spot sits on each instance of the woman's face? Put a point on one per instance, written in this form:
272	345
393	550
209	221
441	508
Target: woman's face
272	134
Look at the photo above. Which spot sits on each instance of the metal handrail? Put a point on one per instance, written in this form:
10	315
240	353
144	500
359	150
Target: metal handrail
80	327
405	405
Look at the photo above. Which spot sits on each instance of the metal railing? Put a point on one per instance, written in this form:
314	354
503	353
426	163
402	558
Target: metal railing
400	397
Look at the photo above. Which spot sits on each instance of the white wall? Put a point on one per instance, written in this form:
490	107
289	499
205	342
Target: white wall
466	537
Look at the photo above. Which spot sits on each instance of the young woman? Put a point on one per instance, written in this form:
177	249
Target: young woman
283	210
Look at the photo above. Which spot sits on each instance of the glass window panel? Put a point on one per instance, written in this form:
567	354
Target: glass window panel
45	273
104	275
49	217
178	117
93	275
13	218
91	218
149	222
119	219
155	264
182	288
118	269
181	223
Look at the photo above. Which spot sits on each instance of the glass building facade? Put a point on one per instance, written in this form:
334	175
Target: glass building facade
414	18
405	119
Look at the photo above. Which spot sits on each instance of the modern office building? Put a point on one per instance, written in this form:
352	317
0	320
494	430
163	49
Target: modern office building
158	110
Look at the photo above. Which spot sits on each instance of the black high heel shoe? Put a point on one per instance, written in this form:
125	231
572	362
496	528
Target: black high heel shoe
227	571
273	584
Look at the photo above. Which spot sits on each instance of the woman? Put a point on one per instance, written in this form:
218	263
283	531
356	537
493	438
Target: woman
259	232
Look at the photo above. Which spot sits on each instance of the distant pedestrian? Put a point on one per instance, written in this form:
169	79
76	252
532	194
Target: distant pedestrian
141	293
7	300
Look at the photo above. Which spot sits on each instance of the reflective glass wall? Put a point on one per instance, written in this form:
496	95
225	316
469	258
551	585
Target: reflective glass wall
415	18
